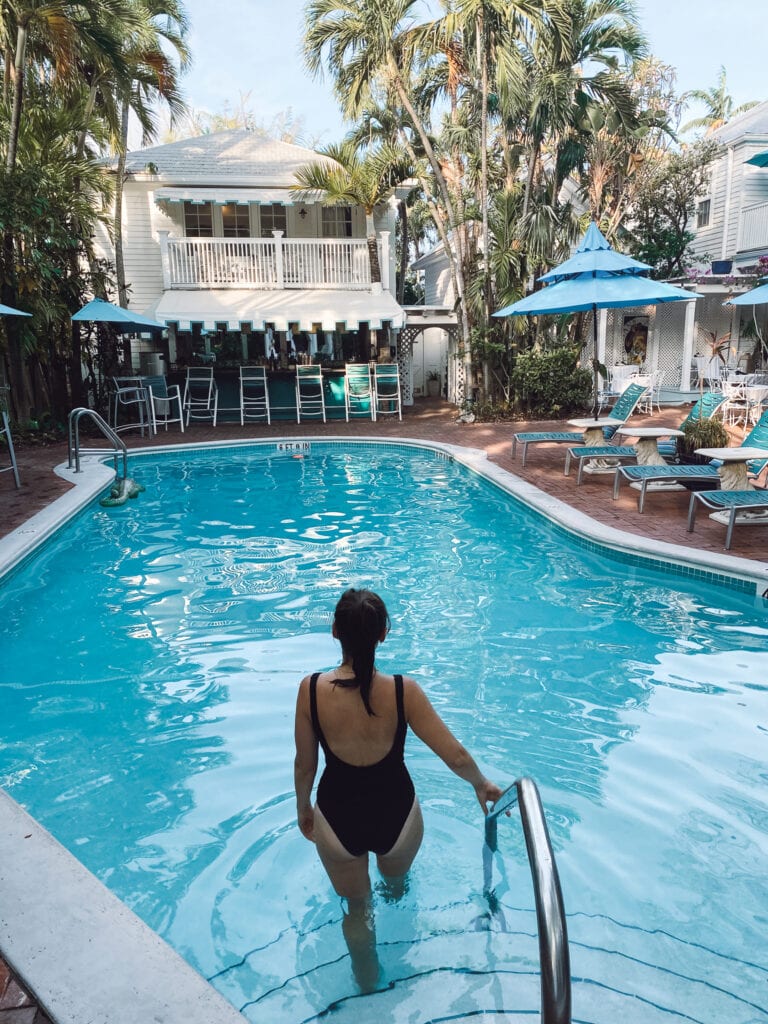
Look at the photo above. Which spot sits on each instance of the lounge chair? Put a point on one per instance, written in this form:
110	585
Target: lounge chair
753	506
703	409
668	478
623	409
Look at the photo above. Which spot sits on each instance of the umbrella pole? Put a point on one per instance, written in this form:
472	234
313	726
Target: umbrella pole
595	364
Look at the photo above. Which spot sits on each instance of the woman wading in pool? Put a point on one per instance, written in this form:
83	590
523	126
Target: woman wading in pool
365	800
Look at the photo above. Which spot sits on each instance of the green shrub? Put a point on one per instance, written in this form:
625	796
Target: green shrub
702	433
549	385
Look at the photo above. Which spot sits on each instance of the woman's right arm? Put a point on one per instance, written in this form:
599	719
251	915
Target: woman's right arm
432	730
305	763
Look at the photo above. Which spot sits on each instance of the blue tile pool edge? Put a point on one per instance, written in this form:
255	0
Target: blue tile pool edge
747	576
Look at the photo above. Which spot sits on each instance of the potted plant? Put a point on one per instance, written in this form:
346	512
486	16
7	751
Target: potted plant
433	383
701	433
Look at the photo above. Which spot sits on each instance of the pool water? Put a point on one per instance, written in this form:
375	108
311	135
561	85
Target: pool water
150	661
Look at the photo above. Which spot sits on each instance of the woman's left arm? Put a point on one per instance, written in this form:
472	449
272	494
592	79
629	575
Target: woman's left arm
305	763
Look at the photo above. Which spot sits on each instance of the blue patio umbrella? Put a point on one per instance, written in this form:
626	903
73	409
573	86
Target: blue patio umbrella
614	281
10	311
595	254
756	297
125	321
759	159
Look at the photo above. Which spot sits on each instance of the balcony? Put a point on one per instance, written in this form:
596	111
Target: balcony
267	263
753	228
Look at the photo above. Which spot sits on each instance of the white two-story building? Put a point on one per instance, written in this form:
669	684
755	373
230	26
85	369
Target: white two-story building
217	248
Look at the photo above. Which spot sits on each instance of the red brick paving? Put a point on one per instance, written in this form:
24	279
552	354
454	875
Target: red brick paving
17	1006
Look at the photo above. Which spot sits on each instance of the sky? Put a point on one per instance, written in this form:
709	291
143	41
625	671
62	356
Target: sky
252	49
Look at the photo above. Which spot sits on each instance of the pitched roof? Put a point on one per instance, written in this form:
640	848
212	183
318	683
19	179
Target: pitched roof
231	157
752	122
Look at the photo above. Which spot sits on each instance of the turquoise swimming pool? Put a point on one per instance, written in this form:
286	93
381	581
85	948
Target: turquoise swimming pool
151	656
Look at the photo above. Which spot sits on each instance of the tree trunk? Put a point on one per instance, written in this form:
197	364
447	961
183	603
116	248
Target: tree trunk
402	212
122	289
18	96
373	249
529	179
457	267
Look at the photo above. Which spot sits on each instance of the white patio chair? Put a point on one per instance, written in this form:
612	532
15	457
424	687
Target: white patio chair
386	390
645	403
254	394
310	397
201	396
164	402
130	399
358	392
5	432
736	405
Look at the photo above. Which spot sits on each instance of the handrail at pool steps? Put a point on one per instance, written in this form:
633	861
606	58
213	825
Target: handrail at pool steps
118	445
550	912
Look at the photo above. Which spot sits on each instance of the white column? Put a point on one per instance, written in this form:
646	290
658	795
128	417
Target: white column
278	237
165	259
384	258
688	336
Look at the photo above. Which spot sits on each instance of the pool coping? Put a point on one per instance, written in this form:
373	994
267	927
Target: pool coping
61	930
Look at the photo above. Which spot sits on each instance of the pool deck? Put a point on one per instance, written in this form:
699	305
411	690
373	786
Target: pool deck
664	520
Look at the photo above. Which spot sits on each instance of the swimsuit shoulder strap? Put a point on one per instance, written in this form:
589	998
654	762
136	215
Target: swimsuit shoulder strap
402	724
313	707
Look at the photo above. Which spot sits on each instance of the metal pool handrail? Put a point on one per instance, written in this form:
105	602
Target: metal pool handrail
550	912
118	445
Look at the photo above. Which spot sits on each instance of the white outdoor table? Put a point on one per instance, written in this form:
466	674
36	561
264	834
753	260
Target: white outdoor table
733	472
647	442
593	429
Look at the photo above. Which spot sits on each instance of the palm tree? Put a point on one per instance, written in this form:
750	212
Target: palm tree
345	177
377	43
64	30
580	34
153	76
719	106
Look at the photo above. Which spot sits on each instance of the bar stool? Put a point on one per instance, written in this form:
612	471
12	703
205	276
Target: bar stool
5	431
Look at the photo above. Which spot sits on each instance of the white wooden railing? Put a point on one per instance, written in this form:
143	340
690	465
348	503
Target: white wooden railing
268	263
753	230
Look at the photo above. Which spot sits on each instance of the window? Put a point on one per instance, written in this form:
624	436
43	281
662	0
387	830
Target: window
337	222
198	220
271	218
236	220
702	213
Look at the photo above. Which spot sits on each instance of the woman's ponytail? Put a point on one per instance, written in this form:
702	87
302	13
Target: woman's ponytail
361	619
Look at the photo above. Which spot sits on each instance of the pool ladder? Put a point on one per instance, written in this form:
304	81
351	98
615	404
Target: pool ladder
550	912
118	445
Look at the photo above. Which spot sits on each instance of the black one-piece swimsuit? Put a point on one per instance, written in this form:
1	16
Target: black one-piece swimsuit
366	806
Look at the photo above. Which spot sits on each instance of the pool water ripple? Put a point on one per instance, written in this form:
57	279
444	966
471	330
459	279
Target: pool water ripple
148	693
